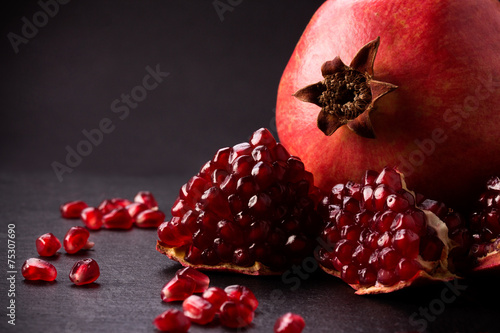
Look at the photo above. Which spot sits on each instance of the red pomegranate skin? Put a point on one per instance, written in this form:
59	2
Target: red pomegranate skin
440	127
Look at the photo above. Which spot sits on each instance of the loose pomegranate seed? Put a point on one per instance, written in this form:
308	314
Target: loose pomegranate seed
84	271
198	309
201	280
149	218
146	198
38	269
234	314
47	245
242	294
216	296
107	205
178	289
73	209
120	202
118	219
172	321
135	208
92	218
76	239
289	323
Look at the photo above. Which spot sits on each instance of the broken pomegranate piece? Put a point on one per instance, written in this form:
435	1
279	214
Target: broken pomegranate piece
251	209
47	245
377	240
38	269
84	271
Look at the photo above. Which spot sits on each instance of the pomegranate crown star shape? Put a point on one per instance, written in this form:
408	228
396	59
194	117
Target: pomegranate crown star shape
348	94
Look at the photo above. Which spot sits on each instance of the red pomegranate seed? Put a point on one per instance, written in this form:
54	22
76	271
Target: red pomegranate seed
235	314
146	198
202	281
289	323
135	208
38	269
73	209
118	219
172	232
76	239
198	309
407	268
172	321
120	202
47	245
107	205
92	218
243	295
84	271
149	218
178	289
216	296
262	137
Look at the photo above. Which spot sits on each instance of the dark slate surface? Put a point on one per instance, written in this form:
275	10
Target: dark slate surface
223	77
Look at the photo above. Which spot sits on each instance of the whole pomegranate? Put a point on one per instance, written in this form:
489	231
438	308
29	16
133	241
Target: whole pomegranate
424	97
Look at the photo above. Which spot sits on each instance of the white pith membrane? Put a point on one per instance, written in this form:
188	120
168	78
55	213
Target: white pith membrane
431	270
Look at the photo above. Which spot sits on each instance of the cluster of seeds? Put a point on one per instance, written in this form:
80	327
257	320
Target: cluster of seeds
251	203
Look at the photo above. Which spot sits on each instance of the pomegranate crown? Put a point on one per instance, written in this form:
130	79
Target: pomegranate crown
348	94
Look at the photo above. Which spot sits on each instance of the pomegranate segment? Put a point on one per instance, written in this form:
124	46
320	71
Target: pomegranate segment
178	289
251	209
378	239
201	280
92	218
76	239
84	271
72	209
289	323
146	198
149	218
172	321
38	269
118	219
198	309
234	314
47	245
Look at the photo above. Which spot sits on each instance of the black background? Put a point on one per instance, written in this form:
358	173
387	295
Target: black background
222	83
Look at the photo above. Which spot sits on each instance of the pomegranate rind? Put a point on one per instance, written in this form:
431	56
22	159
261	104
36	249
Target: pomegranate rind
178	254
490	261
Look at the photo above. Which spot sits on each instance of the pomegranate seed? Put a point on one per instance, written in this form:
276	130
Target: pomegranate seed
38	269
92	218
120	202
216	296
407	269
172	321
407	243
262	137
178	289
118	219
107	205
149	218
391	178
76	239
84	271
198	309
242	294
289	323
73	209
47	245
235	314
135	208
172	234
201	280
146	198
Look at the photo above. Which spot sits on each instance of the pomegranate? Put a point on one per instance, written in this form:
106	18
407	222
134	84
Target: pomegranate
289	323
443	112
47	245
378	240
251	209
172	321
84	271
38	269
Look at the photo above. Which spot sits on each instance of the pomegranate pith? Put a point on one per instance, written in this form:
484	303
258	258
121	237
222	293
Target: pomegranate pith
378	239
38	269
250	209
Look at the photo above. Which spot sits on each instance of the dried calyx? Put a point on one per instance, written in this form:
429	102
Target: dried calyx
347	94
